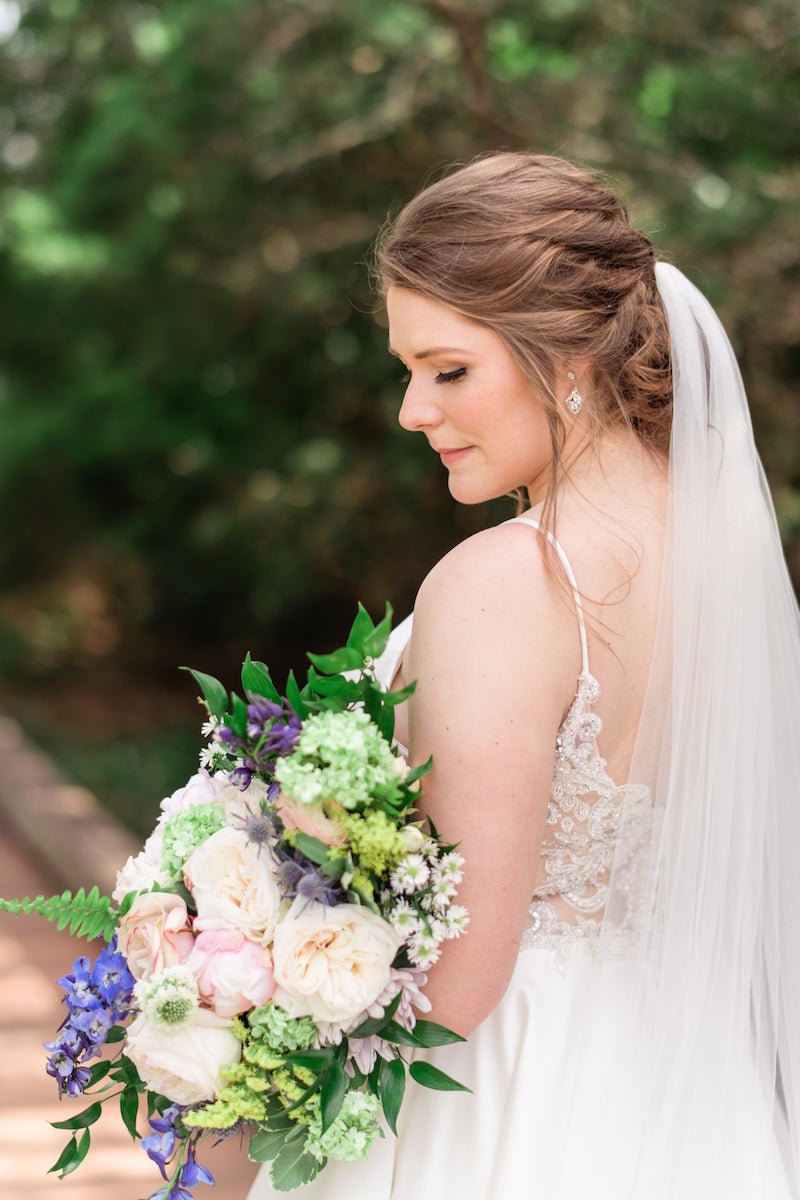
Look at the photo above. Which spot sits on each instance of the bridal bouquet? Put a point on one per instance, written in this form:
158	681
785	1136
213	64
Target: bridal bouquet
268	945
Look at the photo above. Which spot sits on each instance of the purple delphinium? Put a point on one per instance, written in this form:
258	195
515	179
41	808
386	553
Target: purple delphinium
271	732
160	1147
96	997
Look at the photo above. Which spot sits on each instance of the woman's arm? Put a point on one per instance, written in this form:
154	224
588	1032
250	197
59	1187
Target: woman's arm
495	651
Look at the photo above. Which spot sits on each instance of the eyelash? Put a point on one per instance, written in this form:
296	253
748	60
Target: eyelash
442	377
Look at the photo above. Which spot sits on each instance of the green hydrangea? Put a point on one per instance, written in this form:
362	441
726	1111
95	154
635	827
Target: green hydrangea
187	830
374	840
274	1028
353	1132
340	756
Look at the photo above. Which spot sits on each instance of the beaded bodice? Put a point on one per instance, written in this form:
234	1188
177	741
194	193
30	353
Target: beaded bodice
581	841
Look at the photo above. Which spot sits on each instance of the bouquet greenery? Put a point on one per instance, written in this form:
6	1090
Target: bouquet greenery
268	946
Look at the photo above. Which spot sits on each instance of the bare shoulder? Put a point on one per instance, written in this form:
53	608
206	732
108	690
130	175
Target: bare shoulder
504	561
493	601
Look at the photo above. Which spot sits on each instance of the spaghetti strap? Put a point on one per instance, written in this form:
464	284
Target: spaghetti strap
572	582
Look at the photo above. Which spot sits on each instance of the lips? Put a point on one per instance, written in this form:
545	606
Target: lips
454	455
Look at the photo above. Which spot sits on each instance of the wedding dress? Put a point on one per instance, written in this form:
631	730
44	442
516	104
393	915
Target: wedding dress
648	1044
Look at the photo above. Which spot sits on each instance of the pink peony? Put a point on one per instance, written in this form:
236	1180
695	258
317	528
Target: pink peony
233	973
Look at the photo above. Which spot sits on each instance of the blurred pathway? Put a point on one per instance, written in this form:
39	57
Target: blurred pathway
33	955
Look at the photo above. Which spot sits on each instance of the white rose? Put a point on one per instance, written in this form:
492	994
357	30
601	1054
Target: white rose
233	886
331	963
182	1062
140	872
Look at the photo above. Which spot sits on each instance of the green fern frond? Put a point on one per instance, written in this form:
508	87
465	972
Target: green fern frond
87	916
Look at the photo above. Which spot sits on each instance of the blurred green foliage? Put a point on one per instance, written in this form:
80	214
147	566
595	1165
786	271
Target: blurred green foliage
197	442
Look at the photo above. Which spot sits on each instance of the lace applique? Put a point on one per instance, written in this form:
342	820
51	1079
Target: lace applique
582	829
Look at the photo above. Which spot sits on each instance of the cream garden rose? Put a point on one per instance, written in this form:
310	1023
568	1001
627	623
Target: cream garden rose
154	933
233	886
183	1062
331	963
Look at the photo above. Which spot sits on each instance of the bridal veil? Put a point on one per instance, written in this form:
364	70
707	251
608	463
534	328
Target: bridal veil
714	1004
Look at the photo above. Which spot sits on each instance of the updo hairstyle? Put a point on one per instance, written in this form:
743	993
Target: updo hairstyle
537	250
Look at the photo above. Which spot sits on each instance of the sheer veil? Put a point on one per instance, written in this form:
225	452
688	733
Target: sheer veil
715	994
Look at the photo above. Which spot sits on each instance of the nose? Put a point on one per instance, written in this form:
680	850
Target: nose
418	412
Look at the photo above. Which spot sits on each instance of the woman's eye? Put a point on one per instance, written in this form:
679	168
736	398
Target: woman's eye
406	378
450	376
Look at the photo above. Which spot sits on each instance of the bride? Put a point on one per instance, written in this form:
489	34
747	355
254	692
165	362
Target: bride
609	685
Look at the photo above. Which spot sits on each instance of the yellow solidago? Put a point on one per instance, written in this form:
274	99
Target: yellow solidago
374	840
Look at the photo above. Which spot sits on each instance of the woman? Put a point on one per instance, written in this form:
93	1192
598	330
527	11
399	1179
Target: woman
608	685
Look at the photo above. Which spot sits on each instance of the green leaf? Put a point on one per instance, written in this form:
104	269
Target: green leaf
374	1025
115	1034
100	1070
215	695
392	1032
65	1159
237	721
332	685
429	1034
346	659
375	642
391	1088
332	1093
294	697
334	868
431	1077
314	1060
129	1109
265	1144
417	772
312	847
361	629
82	1120
257	679
292	1166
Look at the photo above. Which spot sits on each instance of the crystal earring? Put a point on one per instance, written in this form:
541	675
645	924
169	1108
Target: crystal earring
574	400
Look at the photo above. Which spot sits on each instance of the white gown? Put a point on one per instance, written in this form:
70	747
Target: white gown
558	1089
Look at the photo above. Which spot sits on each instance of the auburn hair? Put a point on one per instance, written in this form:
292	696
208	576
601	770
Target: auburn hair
539	251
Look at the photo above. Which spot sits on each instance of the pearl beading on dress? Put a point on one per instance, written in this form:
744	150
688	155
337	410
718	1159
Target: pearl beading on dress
582	833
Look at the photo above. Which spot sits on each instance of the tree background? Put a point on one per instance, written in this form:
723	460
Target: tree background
198	447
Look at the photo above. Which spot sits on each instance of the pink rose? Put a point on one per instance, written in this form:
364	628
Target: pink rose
233	973
154	933
313	819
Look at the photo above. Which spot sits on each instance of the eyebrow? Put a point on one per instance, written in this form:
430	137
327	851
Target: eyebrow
434	350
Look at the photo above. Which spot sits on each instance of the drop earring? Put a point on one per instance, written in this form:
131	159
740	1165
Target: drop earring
574	400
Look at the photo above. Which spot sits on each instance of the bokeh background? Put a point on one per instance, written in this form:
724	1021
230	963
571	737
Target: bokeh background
198	447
